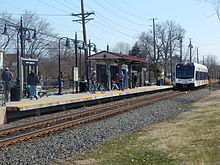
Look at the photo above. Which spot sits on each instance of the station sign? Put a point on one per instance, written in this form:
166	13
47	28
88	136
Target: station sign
1	59
29	62
75	74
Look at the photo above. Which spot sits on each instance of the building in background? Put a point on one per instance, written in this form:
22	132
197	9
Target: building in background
9	60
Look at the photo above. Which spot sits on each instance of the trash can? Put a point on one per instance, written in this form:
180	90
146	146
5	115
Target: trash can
82	86
15	94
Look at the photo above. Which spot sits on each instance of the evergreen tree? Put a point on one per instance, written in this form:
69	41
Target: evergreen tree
136	51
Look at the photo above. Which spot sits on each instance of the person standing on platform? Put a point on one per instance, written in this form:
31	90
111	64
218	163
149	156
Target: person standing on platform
32	81
121	78
60	80
219	81
93	80
135	81
6	78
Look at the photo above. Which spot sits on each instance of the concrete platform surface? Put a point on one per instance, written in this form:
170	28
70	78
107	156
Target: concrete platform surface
55	100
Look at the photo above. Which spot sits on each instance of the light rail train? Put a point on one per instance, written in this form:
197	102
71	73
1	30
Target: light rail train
189	75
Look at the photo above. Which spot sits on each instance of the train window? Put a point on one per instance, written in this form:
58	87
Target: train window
184	71
197	75
203	76
206	76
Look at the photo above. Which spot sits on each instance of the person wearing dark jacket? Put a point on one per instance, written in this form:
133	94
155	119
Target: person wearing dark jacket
6	78
32	81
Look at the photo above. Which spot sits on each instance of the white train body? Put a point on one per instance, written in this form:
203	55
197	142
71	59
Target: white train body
190	75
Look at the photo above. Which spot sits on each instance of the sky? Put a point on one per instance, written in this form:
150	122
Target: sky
123	20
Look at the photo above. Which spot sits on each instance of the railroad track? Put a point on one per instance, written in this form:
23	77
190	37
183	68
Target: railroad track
29	131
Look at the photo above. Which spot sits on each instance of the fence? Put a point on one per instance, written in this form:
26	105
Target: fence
2	98
52	86
49	85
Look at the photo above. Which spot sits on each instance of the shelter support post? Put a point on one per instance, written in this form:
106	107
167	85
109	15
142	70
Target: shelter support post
129	75
107	76
121	76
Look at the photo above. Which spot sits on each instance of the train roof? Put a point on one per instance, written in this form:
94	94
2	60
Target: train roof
198	67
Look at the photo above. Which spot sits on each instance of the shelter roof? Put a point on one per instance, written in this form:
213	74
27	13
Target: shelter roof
105	55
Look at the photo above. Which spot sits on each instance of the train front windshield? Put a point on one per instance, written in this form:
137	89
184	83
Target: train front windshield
184	71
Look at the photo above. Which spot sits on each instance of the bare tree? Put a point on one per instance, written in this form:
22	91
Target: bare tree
6	19
167	44
211	62
45	48
122	47
45	36
170	44
212	65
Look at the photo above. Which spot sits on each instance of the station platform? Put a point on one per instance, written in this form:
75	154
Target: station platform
67	101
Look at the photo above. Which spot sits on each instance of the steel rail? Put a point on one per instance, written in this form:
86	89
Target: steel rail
84	120
7	131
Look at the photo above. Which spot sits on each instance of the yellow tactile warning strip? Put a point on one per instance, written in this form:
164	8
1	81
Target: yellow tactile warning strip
88	96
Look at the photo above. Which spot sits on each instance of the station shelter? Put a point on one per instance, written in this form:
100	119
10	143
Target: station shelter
111	66
26	65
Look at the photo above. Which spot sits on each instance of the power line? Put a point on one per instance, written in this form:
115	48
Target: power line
118	8
106	18
68	30
63	4
134	8
51	6
53	15
6	21
99	38
71	4
114	29
117	24
17	26
11	5
118	15
120	36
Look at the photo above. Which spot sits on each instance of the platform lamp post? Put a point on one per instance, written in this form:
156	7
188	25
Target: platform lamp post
21	33
94	48
190	50
180	38
25	35
59	63
5	33
76	60
68	45
81	46
76	42
90	46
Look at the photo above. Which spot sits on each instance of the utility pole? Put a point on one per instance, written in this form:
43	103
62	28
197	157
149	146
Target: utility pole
107	47
22	38
190	50
171	60
76	56
22	55
197	53
154	37
83	20
181	48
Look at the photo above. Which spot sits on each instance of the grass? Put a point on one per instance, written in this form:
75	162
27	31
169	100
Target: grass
192	138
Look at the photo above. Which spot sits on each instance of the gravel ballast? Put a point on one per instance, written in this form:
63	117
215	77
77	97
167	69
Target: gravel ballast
72	141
